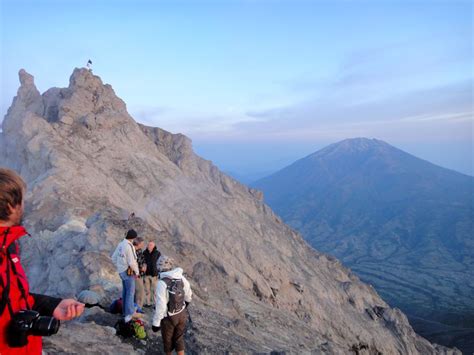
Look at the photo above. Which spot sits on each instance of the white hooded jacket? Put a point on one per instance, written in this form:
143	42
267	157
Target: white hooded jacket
162	297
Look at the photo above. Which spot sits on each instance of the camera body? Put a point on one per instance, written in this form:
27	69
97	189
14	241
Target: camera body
28	322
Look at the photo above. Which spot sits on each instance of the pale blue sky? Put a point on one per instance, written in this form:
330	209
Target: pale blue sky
258	84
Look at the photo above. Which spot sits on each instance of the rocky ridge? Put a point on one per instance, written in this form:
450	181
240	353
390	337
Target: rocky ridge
258	286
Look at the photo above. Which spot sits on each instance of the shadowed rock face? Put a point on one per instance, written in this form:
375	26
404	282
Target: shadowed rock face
401	223
258	286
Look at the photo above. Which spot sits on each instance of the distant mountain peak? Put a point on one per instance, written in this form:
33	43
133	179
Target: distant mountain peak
362	142
359	144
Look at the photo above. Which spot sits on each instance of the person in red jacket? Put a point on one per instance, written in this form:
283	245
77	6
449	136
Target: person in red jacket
15	298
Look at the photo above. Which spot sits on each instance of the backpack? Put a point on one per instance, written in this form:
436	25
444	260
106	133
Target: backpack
139	329
116	306
175	289
134	328
124	329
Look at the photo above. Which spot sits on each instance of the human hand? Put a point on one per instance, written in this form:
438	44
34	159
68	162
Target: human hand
68	309
155	329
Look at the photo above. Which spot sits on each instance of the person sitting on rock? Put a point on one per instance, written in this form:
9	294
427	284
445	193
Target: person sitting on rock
139	243
125	260
19	307
151	255
173	294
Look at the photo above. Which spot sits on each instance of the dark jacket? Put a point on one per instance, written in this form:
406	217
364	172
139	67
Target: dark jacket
151	258
140	261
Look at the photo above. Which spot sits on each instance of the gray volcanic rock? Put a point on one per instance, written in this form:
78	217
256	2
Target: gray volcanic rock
77	338
258	286
401	223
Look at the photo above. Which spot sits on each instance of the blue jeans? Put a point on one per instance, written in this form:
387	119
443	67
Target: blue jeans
128	294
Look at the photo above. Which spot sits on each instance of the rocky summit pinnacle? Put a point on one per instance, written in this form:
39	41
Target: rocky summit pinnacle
28	96
258	286
26	79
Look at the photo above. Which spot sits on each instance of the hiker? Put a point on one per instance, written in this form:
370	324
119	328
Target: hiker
19	307
89	65
125	260
139	243
151	255
173	294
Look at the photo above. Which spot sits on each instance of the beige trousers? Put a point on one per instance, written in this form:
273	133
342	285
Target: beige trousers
139	291
150	286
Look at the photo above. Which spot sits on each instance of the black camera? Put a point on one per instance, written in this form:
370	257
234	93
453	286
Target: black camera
27	322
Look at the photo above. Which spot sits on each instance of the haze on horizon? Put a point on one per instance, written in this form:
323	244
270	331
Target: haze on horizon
259	84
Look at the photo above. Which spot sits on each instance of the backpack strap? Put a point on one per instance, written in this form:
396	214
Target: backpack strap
167	281
18	277
5	300
134	252
5	254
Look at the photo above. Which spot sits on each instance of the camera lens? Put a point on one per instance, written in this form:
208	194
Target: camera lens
45	326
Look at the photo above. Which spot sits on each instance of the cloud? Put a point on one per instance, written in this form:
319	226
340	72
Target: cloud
466	116
149	114
388	70
441	112
192	123
389	92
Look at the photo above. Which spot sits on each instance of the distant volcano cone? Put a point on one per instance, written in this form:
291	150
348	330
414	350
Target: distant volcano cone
401	223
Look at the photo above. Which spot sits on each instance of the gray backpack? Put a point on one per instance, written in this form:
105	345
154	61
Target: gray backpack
175	289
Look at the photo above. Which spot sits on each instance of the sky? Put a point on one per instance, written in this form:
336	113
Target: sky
259	84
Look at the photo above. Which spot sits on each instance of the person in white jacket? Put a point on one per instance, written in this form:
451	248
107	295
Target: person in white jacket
125	260
173	294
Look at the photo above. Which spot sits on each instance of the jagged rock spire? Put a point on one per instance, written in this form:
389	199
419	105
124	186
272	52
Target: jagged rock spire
28	99
27	94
